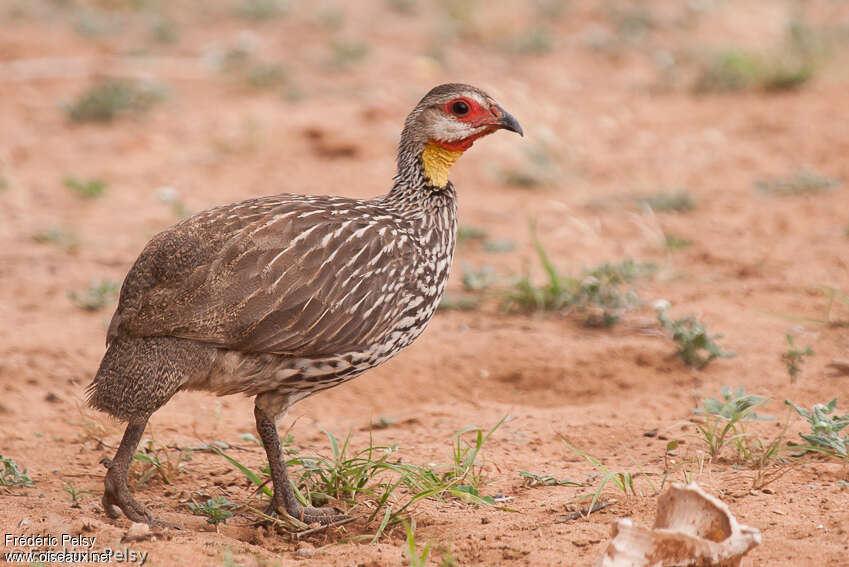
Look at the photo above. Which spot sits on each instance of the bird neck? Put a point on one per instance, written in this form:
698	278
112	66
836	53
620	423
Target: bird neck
436	163
423	171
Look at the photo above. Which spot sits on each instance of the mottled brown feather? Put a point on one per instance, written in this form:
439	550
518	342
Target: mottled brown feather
255	284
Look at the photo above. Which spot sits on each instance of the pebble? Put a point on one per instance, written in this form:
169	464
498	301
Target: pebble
137	532
305	551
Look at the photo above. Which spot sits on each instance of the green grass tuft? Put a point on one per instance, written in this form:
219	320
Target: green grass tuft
678	201
58	236
376	474
825	429
11	476
696	347
96	296
346	53
110	98
86	188
258	10
216	510
794	357
724	420
596	293
801	182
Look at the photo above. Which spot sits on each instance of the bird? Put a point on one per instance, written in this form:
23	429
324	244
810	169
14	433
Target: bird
280	297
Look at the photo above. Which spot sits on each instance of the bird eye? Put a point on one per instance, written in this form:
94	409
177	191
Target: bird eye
460	107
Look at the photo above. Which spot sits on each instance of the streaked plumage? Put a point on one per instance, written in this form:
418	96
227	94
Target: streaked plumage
284	296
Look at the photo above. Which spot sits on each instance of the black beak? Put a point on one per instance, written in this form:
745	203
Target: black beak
508	122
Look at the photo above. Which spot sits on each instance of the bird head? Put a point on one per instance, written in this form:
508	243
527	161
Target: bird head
446	123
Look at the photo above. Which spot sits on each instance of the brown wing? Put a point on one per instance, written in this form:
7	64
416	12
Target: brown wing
299	276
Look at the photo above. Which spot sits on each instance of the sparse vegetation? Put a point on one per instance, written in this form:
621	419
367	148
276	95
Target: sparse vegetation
74	493
96	296
258	10
466	233
595	293
676	242
11	475
455	302
696	347
794	357
478	279
535	41
86	188
677	201
58	236
344	54
112	98
416	559
623	480
159	462
216	510
825	429
376	473
802	182
725	420
785	67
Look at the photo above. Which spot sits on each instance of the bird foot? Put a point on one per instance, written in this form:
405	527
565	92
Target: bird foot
308	514
116	494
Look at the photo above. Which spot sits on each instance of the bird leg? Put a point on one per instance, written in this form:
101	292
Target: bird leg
284	495
116	492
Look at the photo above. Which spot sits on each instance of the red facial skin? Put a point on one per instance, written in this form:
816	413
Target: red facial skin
477	116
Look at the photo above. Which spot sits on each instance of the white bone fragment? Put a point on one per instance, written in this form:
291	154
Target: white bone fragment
692	529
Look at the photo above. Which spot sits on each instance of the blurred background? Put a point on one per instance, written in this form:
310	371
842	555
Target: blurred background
687	151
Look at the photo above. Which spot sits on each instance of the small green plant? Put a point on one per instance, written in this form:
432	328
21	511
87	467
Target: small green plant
96	296
345	54
676	242
216	510
623	480
478	279
416	559
725	420
111	98
58	236
802	182
498	245
85	188
258	10
825	429
455	302
535	41
696	347
677	201
467	233
163	29
596	293
794	357
377	474
531	480
74	493
264	75
159	462
11	475
785	67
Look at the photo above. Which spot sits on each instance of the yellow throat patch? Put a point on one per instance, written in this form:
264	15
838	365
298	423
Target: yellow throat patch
437	162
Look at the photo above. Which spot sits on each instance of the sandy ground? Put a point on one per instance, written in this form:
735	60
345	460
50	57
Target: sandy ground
596	100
